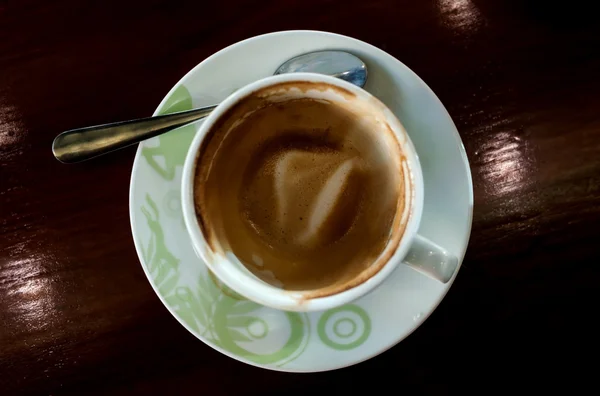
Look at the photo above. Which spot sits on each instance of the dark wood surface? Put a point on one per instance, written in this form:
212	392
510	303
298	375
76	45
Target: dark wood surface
521	80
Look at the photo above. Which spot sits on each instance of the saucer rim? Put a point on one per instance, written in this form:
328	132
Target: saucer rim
460	256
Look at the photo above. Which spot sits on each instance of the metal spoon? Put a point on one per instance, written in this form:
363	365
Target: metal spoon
85	143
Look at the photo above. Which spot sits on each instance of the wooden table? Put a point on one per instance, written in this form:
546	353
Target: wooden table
521	80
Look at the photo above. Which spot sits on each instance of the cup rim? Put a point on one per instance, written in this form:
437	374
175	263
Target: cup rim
257	290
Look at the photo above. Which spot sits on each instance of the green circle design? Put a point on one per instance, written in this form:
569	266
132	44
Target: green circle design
339	322
264	331
294	345
348	310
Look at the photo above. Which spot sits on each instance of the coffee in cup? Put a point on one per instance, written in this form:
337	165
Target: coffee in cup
303	191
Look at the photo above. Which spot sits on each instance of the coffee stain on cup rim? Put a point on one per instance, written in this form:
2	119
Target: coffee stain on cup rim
303	86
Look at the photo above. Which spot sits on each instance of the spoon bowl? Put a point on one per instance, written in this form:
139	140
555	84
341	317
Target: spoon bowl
338	64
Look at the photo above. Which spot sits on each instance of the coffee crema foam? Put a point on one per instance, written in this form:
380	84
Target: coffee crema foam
302	191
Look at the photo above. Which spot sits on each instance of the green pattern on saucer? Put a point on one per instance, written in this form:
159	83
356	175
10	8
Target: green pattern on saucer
173	145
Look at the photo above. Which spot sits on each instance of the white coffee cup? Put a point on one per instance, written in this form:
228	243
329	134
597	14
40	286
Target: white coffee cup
411	249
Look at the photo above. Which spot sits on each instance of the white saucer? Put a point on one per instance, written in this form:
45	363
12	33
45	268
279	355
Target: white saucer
280	340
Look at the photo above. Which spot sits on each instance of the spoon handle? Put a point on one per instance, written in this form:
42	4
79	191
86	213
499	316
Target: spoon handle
85	143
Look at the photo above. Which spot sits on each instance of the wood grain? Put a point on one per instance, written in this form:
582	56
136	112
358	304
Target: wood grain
521	80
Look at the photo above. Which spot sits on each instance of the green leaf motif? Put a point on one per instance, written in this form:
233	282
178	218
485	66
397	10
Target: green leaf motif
179	100
150	251
172	301
244	307
172	146
188	318
152	205
169	285
205	305
239	321
237	335
195	305
207	287
160	262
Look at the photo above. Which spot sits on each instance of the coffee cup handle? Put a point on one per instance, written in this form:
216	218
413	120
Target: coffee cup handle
431	259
